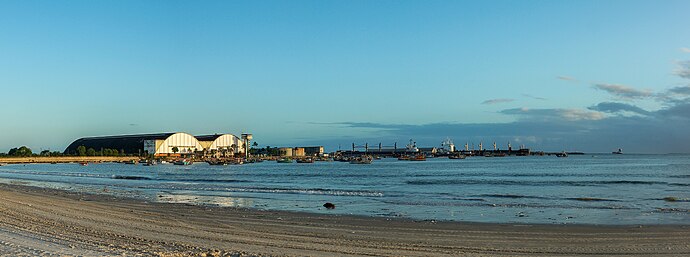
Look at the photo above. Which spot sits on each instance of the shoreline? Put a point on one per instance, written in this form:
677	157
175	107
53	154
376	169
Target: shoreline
39	221
65	159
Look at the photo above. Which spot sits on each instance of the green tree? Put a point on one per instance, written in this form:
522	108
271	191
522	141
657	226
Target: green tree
20	152
175	149
45	153
81	150
91	152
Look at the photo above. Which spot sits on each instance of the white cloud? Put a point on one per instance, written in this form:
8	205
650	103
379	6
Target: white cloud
566	78
685	49
498	101
623	91
555	114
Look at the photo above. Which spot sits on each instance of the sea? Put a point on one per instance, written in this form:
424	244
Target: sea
601	189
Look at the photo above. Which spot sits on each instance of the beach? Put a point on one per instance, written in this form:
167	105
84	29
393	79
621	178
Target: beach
39	221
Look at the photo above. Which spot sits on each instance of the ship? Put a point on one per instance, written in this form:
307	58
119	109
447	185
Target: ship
620	151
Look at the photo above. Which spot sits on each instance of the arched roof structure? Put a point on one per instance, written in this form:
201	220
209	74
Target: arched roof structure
134	144
221	141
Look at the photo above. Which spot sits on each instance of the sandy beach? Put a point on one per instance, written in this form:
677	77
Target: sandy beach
36	221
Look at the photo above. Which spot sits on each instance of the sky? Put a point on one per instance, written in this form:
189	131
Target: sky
589	76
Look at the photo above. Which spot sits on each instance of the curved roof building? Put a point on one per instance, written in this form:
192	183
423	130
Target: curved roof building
221	142
156	144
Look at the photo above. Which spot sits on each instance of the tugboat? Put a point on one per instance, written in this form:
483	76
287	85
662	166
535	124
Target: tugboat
620	151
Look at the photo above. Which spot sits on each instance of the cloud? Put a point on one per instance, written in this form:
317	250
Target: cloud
498	101
683	70
685	90
534	97
685	50
566	78
611	107
679	109
554	114
623	92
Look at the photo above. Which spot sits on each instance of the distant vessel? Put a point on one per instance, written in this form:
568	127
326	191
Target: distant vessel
411	147
419	157
365	159
216	162
563	154
182	162
305	160
620	151
456	156
150	163
83	163
284	160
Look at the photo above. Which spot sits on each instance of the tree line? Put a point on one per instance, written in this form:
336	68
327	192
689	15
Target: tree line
24	151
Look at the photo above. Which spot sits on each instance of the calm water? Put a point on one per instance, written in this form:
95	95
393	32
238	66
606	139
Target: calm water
600	189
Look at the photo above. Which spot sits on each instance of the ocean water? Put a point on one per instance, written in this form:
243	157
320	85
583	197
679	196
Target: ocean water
587	189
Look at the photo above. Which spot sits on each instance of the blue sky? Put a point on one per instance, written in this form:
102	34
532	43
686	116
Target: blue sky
334	72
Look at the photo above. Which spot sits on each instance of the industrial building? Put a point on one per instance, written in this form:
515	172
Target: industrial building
301	151
162	144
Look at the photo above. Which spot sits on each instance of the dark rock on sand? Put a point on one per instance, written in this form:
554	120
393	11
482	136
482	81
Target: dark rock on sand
329	206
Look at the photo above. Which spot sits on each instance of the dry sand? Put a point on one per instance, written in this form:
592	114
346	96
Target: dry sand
36	221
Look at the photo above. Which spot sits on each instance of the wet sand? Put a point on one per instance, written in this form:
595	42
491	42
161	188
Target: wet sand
35	221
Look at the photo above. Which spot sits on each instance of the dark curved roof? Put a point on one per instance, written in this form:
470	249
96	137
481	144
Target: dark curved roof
131	144
208	137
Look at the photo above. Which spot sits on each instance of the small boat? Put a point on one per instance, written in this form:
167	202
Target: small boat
563	154
305	160
130	162
418	158
284	160
404	158
216	162
3	164
142	161
150	163
456	156
83	163
362	160
620	151
182	162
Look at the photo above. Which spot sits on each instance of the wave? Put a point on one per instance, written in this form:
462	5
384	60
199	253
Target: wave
130	177
507	205
536	183
313	191
212	180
